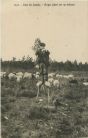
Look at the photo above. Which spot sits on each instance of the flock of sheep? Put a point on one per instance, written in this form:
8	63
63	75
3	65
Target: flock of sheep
53	78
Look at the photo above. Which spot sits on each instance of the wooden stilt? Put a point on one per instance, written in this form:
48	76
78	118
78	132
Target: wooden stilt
48	97
43	88
38	92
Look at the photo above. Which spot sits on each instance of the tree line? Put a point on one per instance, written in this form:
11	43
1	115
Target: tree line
27	63
69	66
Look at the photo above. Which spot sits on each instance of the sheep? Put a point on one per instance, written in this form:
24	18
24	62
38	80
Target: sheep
48	84
85	83
59	76
36	76
51	80
37	66
18	78
19	74
12	76
71	76
37	73
3	74
66	76
51	75
56	83
27	75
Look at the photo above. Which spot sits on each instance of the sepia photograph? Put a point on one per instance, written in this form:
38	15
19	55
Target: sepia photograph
44	69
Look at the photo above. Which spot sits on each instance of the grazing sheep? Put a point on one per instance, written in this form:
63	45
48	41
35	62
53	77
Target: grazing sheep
56	83
59	76
85	83
36	76
37	73
71	76
18	78
51	80
66	76
27	75
19	74
37	66
12	76
47	83
3	74
51	75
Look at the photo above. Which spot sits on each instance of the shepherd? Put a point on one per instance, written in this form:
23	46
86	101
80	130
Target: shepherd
42	59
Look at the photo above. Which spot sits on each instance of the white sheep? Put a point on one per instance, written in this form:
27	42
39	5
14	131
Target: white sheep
19	74
51	75
85	83
2	74
18	78
51	80
37	73
71	76
47	84
59	76
12	76
27	75
66	76
56	83
36	76
37	66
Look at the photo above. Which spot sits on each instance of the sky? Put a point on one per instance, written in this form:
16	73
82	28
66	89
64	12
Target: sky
64	30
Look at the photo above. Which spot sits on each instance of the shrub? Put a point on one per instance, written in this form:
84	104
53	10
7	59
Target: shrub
38	113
